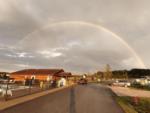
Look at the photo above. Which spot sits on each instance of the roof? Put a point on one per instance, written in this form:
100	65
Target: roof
38	72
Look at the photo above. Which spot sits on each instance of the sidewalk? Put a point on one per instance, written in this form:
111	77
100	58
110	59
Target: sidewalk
10	103
122	91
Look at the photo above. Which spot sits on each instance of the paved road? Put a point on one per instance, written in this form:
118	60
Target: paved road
81	99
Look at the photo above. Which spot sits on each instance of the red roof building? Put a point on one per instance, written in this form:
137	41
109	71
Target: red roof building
39	74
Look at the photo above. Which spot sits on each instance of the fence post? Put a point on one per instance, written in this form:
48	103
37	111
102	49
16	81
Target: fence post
135	100
30	84
6	95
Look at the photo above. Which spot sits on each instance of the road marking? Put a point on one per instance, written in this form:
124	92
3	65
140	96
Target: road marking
72	101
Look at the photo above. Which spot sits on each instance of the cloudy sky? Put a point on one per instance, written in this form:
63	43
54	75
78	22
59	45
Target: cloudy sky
77	35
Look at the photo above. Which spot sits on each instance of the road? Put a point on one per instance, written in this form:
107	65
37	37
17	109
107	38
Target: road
80	99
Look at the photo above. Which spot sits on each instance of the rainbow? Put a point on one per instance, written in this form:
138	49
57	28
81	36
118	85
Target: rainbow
93	25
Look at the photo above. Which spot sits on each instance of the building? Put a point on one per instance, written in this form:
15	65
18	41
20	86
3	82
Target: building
39	74
65	74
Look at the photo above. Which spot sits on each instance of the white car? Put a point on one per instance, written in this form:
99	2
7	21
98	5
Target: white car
142	81
122	83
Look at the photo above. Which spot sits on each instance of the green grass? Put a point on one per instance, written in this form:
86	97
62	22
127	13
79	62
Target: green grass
143	106
124	103
128	105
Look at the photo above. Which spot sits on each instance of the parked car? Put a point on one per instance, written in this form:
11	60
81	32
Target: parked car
82	81
142	81
121	83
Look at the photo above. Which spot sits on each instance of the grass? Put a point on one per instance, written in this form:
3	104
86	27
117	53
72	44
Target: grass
124	103
143	106
127	104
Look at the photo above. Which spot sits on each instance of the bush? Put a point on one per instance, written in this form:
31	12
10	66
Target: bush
143	105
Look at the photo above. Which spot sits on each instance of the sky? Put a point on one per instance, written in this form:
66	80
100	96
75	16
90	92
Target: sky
76	35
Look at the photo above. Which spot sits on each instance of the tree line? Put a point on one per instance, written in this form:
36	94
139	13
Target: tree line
133	73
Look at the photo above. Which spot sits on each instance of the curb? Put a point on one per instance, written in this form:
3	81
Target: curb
114	95
14	102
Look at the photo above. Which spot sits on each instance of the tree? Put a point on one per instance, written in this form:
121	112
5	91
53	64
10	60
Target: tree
125	75
108	72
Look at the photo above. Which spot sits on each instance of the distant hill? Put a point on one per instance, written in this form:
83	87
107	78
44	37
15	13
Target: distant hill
133	73
138	73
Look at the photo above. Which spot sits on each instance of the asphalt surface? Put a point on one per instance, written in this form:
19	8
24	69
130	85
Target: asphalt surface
80	99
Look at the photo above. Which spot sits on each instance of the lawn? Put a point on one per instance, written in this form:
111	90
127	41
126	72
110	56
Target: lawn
130	106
